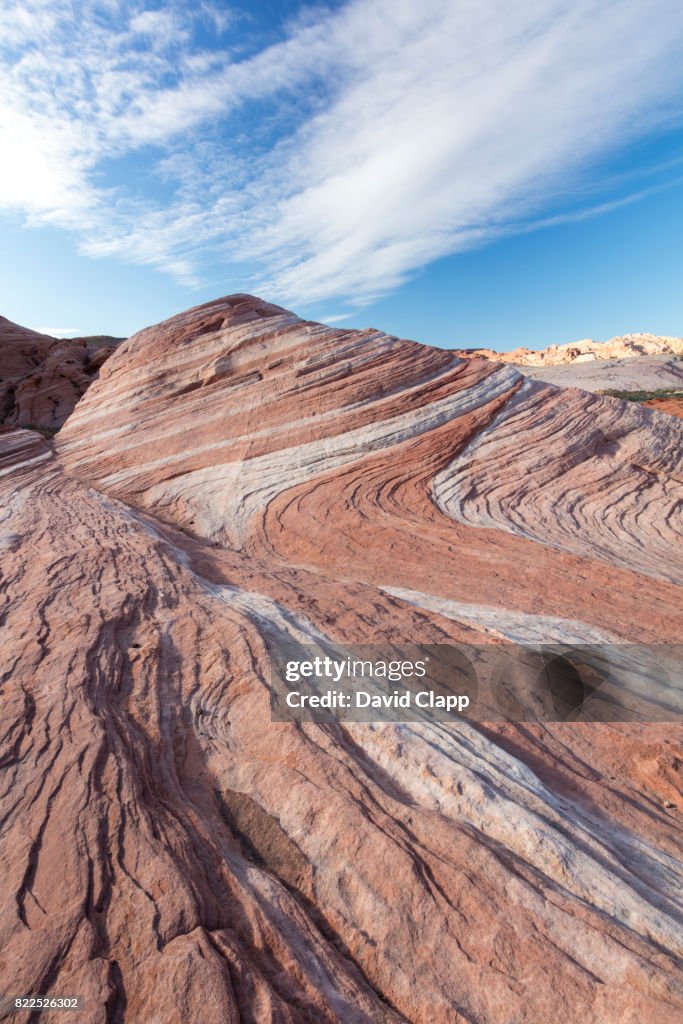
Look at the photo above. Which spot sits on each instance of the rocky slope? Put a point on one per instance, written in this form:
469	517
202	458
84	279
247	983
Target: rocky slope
42	378
171	853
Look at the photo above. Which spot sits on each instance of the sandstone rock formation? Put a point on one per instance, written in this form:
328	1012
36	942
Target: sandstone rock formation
622	347
172	854
42	378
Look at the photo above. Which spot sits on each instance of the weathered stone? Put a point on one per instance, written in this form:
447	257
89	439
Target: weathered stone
171	853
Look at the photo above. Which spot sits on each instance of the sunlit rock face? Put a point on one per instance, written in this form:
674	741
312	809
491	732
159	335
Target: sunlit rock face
42	378
172	854
625	346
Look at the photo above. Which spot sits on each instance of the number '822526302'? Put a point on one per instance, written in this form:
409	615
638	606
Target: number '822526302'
8	1004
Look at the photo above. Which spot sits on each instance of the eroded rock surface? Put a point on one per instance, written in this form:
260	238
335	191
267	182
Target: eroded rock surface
42	378
173	855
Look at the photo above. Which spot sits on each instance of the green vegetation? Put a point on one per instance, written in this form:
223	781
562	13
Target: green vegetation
642	396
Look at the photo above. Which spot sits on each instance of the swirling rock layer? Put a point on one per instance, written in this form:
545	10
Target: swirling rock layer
170	853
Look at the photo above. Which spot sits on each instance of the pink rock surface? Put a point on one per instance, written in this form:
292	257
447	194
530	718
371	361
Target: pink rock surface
173	855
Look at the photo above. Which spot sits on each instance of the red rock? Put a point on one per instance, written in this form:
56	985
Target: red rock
42	378
171	853
670	406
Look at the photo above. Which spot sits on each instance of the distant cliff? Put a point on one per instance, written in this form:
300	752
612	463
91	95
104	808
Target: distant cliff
624	346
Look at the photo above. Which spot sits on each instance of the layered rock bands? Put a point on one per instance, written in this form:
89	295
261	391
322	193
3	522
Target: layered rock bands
171	854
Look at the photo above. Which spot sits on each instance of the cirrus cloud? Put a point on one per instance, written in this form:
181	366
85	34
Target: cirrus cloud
333	163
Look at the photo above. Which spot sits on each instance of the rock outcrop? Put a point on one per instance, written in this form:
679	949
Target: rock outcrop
622	347
173	855
42	378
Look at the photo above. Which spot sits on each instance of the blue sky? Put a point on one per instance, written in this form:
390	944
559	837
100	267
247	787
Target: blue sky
463	172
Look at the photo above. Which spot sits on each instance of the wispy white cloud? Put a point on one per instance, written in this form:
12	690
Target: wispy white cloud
335	318
163	28
60	332
366	142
